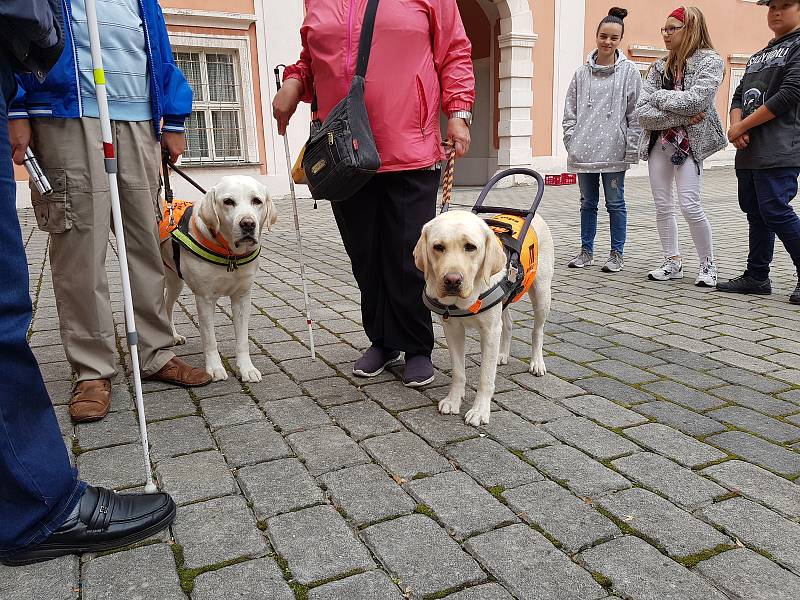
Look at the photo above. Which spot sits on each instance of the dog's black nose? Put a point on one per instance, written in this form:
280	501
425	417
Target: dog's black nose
453	281
248	225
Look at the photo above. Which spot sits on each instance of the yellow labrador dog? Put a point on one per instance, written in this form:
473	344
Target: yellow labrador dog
461	258
228	220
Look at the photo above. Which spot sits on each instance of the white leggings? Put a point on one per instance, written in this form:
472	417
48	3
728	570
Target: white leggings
688	179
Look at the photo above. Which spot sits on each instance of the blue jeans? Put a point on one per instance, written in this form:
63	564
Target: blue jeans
614	192
764	195
38	487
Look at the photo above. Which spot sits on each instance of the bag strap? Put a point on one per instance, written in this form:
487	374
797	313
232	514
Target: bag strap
365	43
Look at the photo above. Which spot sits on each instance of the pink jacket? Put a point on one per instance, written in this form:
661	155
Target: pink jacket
420	59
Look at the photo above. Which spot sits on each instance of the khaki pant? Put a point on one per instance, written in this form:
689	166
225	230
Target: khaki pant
78	216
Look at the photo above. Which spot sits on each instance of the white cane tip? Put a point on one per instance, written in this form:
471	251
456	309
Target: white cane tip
150	488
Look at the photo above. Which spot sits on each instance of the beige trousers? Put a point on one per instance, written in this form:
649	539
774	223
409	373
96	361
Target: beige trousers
78	216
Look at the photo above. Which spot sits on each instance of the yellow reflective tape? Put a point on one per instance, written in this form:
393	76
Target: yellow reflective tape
99	77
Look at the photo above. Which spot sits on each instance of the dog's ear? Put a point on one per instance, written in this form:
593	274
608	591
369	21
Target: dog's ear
421	251
208	210
272	212
494	258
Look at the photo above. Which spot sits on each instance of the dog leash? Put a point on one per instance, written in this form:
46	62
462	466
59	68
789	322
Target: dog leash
449	174
169	196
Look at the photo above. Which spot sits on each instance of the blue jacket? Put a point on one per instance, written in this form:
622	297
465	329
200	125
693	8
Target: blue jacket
59	94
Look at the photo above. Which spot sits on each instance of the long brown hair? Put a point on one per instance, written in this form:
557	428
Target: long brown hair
695	37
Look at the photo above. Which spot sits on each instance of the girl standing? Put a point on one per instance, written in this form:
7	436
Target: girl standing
682	128
601	136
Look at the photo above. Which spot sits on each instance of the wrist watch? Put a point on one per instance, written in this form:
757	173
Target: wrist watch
462	114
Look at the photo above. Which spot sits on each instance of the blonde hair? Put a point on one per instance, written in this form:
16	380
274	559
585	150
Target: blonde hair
695	37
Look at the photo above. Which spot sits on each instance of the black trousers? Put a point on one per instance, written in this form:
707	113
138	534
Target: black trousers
380	226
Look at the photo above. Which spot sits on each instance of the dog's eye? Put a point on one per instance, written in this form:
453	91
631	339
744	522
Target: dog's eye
470	247
438	247
257	201
229	202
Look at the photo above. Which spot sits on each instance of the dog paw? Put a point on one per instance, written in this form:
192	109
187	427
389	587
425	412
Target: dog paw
450	406
537	367
476	417
502	359
249	374
217	373
178	340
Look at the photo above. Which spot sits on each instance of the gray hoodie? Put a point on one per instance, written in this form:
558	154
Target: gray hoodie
600	132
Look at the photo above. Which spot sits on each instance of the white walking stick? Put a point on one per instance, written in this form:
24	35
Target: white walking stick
116	213
309	322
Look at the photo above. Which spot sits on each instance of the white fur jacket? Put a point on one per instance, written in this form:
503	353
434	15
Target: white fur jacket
659	109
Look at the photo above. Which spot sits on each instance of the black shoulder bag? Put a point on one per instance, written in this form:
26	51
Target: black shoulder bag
340	156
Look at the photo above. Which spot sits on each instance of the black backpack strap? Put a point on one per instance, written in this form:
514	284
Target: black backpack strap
365	43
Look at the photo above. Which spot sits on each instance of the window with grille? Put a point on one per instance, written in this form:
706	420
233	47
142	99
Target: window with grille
214	130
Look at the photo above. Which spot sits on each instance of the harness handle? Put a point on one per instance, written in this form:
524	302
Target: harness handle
449	174
168	195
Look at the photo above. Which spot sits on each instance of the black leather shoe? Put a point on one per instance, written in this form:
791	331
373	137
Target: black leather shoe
103	520
795	297
745	284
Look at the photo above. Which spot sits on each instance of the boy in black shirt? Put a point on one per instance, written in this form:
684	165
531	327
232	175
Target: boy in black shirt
765	129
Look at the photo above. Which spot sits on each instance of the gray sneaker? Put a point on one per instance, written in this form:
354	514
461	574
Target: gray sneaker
374	361
584	259
614	264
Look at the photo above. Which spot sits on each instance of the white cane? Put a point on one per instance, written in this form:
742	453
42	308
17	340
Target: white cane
309	322
116	213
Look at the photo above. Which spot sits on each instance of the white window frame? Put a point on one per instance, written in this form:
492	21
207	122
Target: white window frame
239	47
737	72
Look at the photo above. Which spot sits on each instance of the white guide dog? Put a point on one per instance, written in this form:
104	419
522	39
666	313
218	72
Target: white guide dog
232	213
461	258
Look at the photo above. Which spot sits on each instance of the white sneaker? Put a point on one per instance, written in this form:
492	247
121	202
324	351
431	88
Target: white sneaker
707	277
614	264
671	269
584	259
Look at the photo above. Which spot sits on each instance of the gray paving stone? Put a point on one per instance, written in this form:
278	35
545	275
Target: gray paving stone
219	388
405	455
531	406
761	452
140	573
573	352
527	564
217	530
631	357
687	376
746	575
232	409
548	386
253	580
698	362
613	390
755	483
516	433
296	414
418	552
674	530
759	528
178	436
336	550
640	572
251	443
636	343
275	386
115	428
603	411
756	400
462	506
583	340
56	579
394	396
566	369
564	517
333	391
680	418
488	591
581	474
491	464
197	476
364	419
680	485
117	467
685	396
594	440
279	486
326	449
742	377
752	421
673	444
436	429
374	585
305	369
367	494
168	404
622	371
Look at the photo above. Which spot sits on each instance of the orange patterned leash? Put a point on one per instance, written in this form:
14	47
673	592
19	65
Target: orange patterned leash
449	173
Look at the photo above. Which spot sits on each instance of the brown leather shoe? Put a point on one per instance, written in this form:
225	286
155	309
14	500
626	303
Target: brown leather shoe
178	372
90	401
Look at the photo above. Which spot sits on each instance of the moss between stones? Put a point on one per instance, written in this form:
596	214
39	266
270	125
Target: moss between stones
420	475
300	591
424	509
497	492
602	580
728	496
692	560
187	576
336	578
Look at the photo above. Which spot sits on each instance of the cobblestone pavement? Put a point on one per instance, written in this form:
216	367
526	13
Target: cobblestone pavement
657	460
